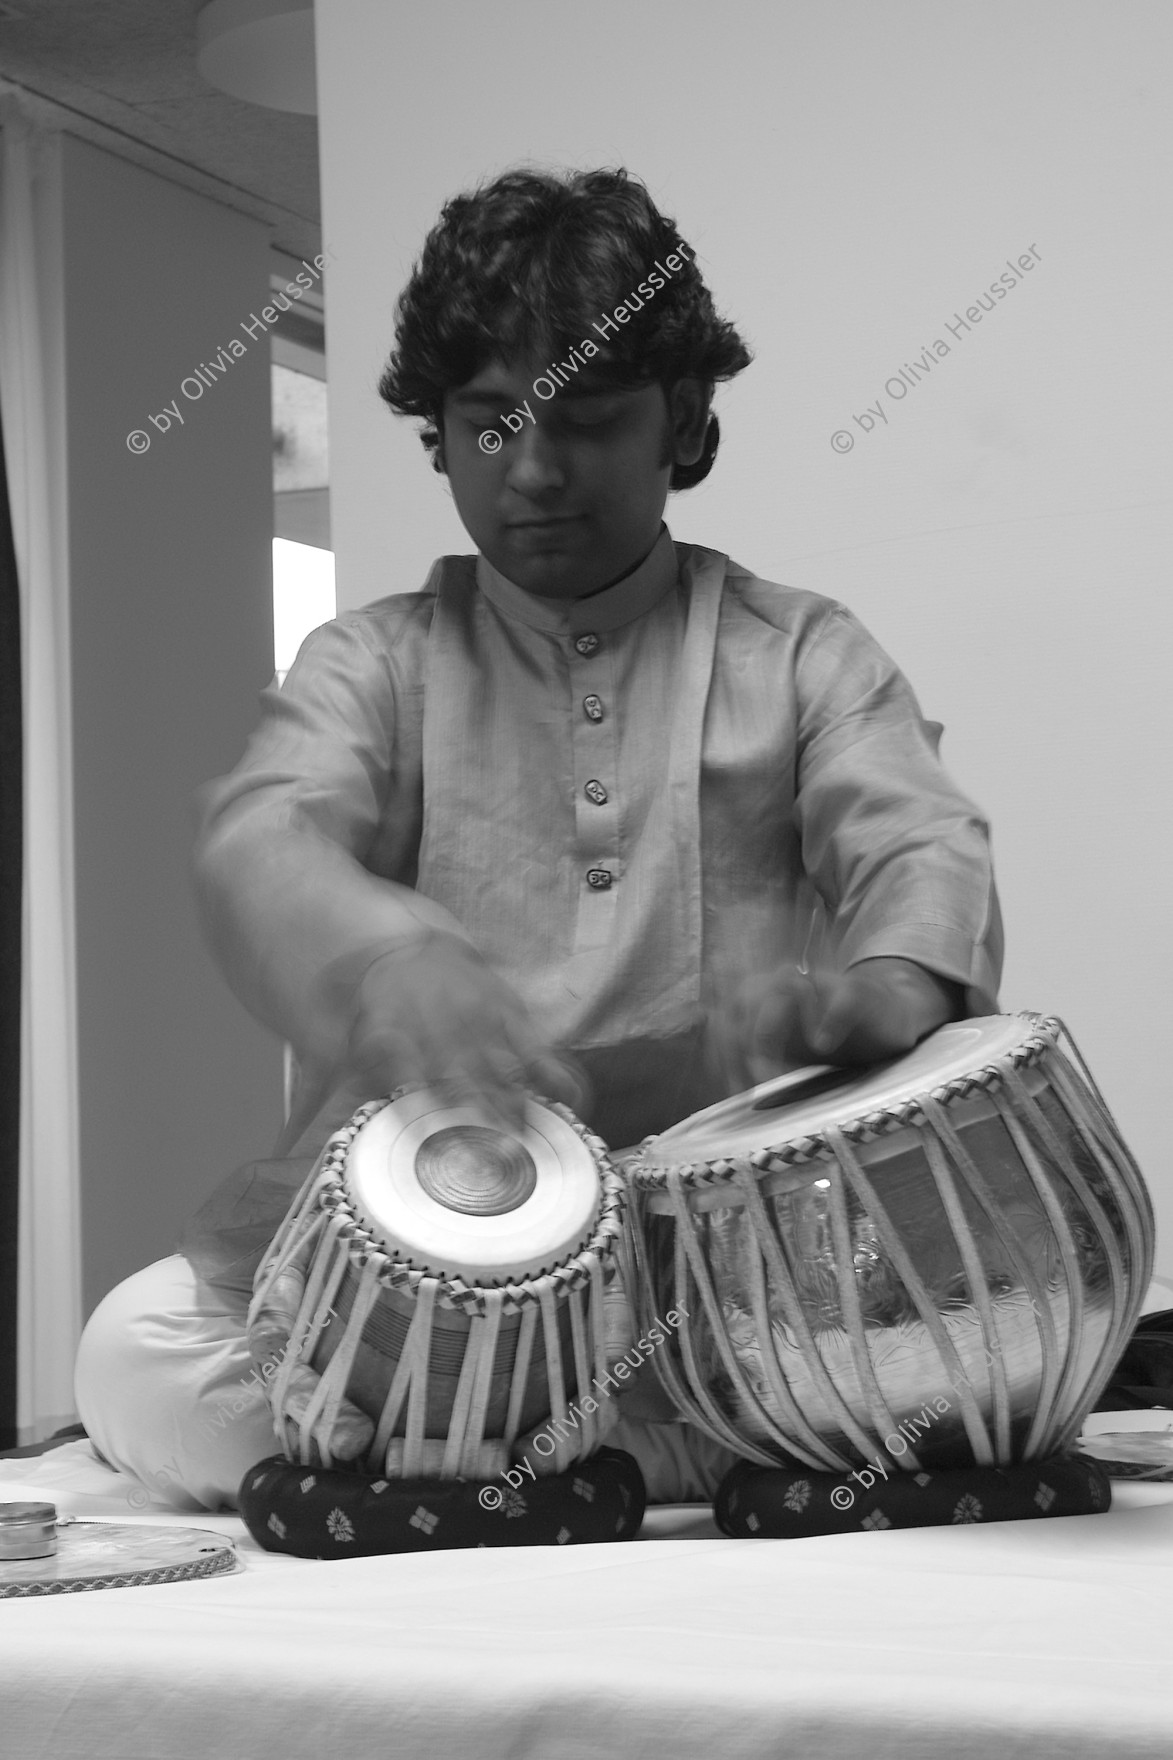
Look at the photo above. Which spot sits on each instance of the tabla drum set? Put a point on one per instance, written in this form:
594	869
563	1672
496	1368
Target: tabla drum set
451	1279
960	1234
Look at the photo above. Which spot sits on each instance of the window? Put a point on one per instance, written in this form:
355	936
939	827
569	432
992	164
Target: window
303	562
303	597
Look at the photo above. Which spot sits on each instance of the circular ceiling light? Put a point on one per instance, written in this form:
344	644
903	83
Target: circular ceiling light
260	50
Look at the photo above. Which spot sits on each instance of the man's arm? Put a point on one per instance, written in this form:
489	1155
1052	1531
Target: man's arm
293	914
367	979
901	858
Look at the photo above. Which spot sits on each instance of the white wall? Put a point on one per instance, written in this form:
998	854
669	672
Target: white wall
172	638
852	174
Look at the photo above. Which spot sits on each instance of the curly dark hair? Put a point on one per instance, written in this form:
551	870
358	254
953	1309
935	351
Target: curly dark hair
528	264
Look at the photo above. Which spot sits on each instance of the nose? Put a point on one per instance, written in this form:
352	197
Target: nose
535	468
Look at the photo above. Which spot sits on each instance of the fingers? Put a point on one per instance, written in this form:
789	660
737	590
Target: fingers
523	1453
352	1432
730	1039
874	1011
831	1013
274	1312
822	1017
786	1018
561	1078
271	1321
496	1084
436	1015
463	1071
750	1028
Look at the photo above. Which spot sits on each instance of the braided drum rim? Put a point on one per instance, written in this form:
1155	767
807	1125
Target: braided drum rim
367	1252
867	1128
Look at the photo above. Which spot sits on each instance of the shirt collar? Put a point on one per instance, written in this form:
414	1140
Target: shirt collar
628	599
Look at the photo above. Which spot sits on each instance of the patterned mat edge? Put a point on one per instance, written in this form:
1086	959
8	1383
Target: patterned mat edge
223	1562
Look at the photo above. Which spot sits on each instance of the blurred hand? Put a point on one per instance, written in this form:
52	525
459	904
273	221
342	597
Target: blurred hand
270	1323
877	1009
434	1012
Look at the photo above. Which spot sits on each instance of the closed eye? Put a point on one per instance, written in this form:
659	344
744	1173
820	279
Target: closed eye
592	416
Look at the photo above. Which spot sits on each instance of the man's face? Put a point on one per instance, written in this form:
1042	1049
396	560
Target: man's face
573	497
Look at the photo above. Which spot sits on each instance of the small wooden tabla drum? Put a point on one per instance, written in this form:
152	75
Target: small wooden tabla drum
453	1287
933	1262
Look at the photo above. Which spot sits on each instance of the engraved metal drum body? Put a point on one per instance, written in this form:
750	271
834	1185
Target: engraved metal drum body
936	1262
453	1281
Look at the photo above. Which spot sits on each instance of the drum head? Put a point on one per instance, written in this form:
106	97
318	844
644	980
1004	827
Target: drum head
806	1101
448	1190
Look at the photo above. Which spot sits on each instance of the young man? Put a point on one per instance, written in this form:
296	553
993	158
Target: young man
568	816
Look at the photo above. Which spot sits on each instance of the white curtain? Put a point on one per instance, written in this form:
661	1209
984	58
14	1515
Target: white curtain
32	404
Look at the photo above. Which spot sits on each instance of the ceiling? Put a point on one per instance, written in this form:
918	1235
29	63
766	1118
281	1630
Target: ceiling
122	74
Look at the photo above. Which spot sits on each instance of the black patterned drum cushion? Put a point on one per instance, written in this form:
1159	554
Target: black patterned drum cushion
314	1512
774	1503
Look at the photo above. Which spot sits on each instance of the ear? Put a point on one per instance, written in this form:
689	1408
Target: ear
688	410
439	462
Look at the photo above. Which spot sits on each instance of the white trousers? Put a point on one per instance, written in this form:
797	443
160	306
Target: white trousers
166	1390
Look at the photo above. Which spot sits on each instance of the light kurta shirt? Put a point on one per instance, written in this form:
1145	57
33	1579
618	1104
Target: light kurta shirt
627	803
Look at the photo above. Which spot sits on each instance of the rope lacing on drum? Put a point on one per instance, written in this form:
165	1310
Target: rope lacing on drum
324	1224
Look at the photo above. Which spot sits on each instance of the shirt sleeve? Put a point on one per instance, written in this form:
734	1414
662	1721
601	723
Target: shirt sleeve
900	856
292	911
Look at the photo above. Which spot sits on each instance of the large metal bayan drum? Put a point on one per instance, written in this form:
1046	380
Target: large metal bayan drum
450	1280
936	1262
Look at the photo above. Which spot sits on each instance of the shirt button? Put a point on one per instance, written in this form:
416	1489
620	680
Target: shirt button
599	878
595	791
586	644
594	708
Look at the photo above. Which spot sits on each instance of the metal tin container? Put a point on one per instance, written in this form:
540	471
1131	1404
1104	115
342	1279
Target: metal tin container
28	1530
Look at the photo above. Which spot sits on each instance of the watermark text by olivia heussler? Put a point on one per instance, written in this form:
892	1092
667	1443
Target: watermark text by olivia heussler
555	378
910	375
205	374
545	1441
897	1443
163	1483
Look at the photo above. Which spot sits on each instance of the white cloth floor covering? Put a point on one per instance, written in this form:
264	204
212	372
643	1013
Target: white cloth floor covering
1044	1638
